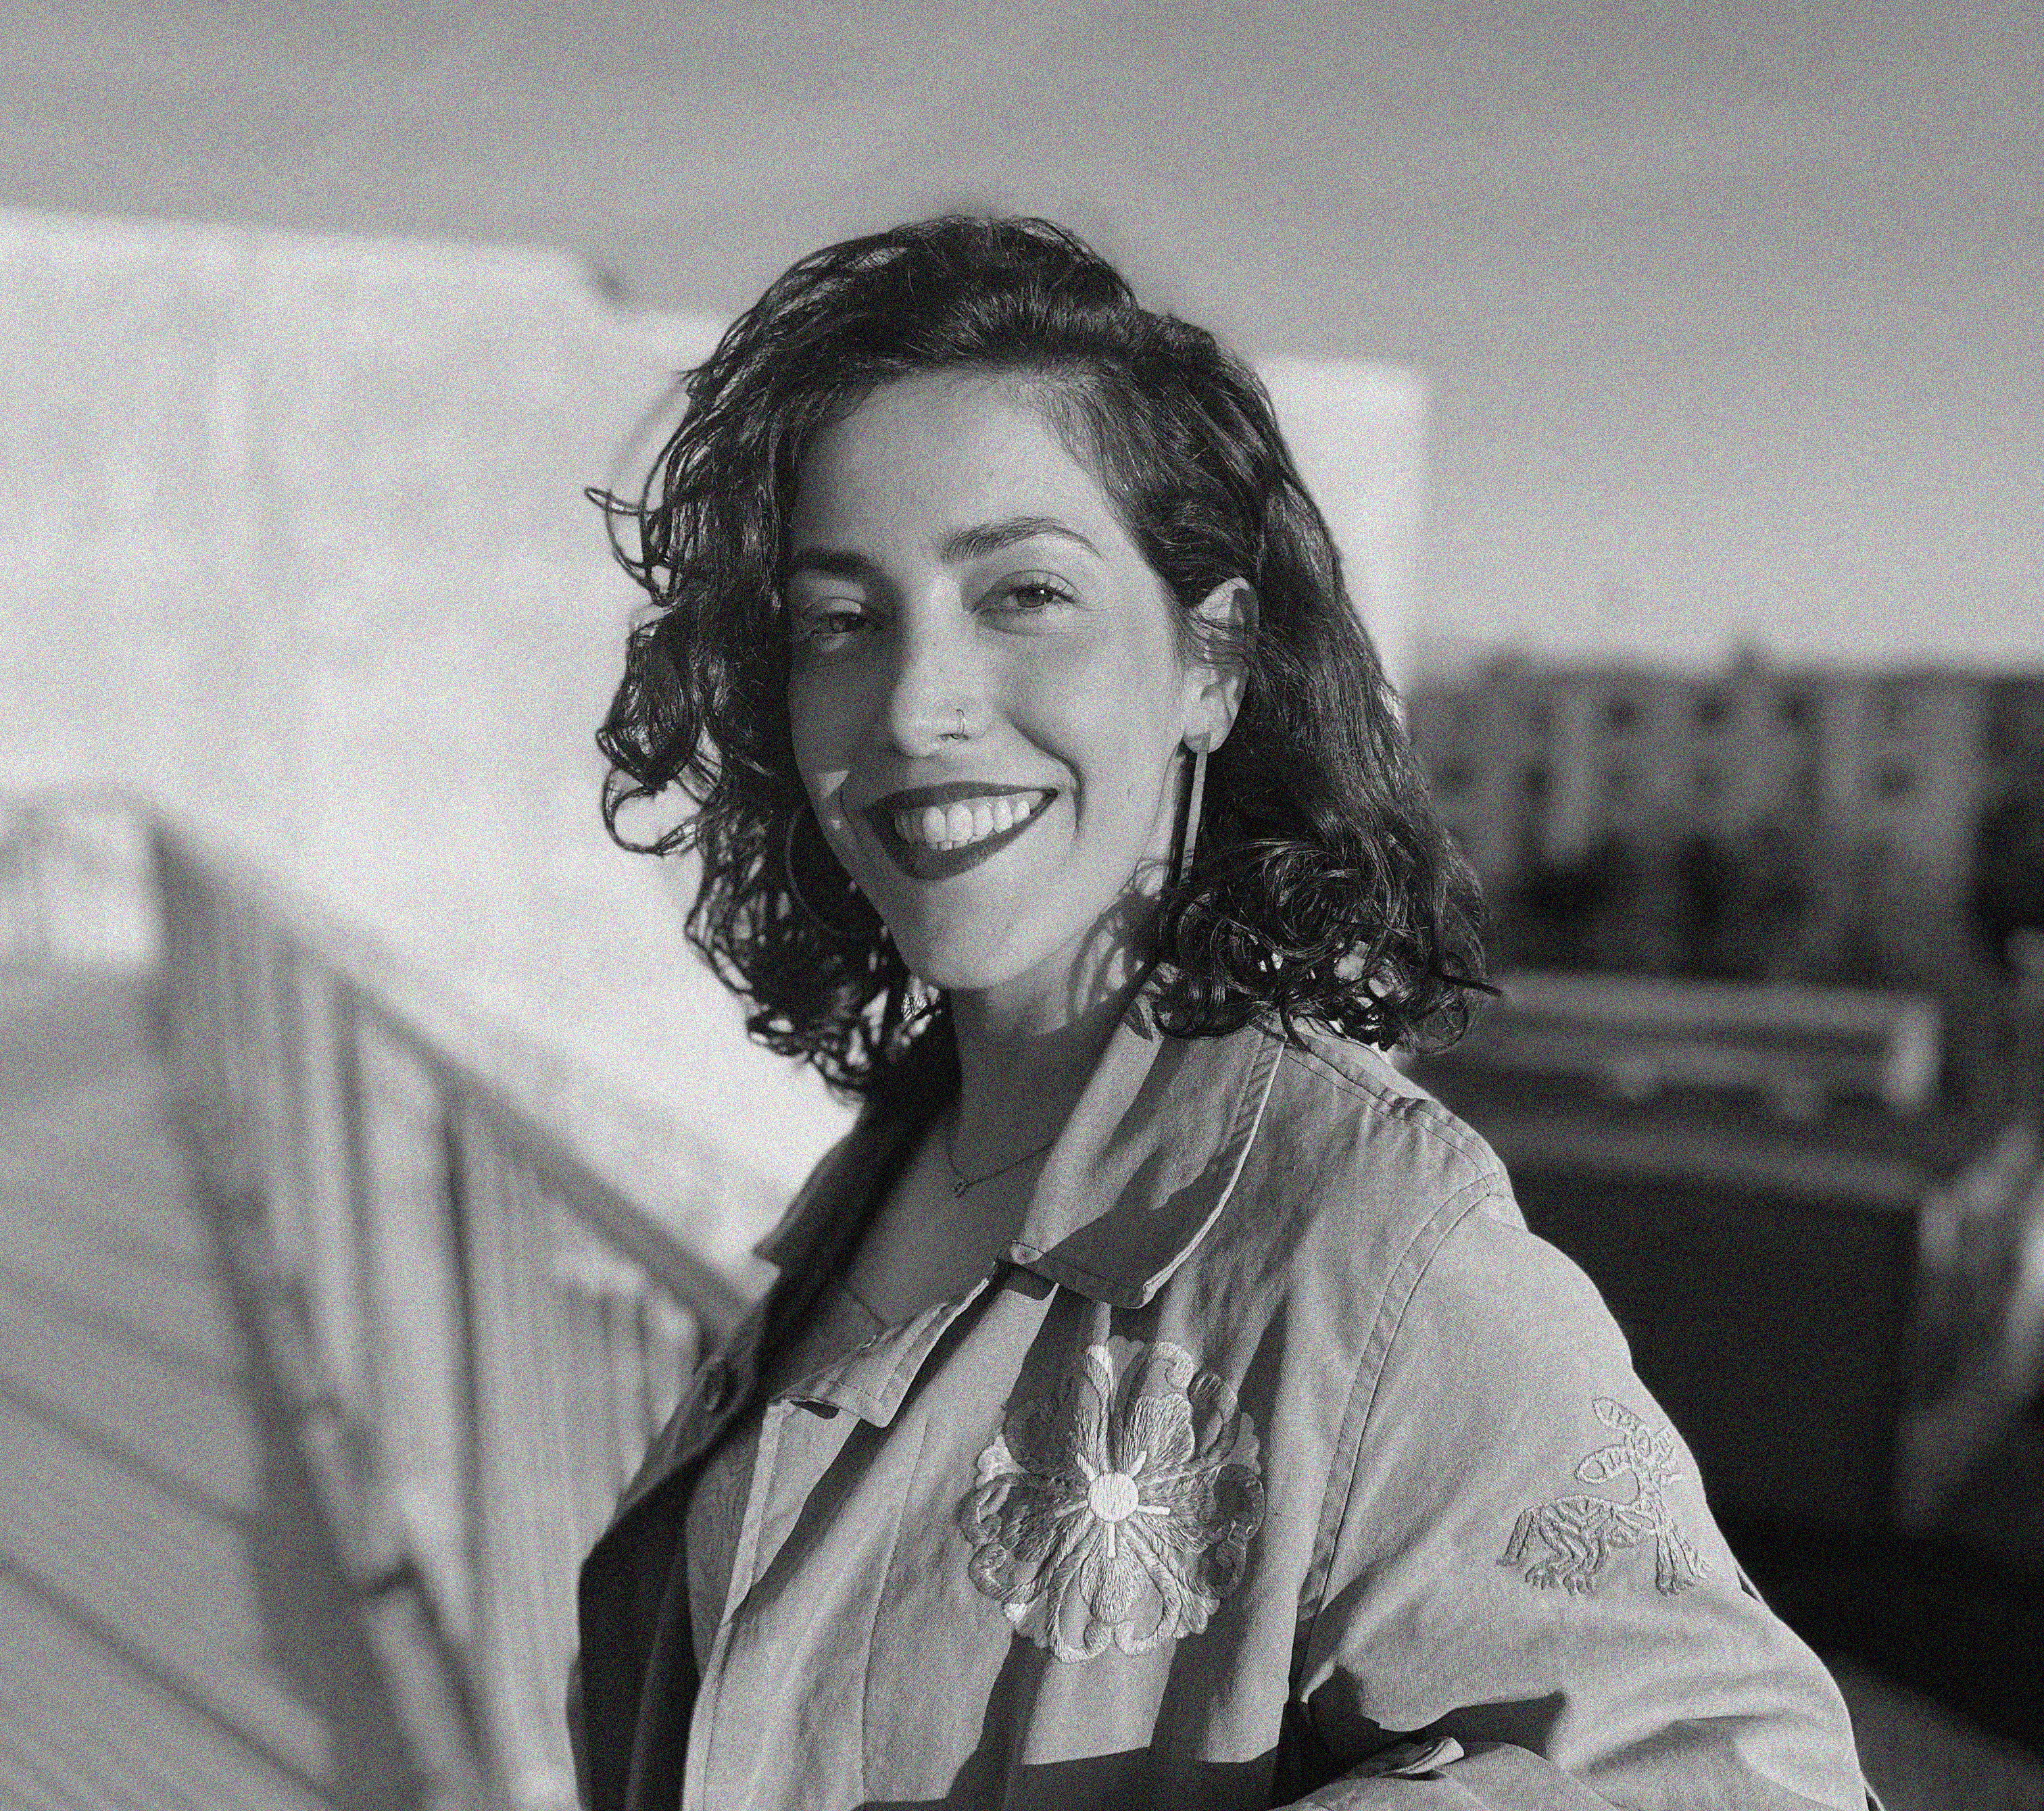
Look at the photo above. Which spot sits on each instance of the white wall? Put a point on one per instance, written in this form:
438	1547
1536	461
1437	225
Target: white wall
1358	433
292	538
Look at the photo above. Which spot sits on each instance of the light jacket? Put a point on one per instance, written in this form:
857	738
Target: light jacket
1280	1463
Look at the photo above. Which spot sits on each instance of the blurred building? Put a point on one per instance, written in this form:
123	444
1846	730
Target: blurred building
1868	789
1818	1210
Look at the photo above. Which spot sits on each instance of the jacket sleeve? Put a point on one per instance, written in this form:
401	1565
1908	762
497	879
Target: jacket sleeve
1527	1602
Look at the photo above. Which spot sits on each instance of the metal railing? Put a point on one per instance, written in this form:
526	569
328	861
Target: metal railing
1800	1047
72	880
494	1297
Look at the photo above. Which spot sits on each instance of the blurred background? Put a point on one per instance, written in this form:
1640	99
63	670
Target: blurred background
377	1157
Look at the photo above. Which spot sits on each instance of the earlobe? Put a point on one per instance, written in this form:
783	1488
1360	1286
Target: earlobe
1227	616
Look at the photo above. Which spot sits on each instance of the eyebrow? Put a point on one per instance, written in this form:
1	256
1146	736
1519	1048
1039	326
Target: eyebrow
826	562
961	544
992	537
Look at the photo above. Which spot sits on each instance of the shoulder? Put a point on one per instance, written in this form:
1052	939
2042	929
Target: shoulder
1353	1181
1467	1261
1362	1079
1382	1141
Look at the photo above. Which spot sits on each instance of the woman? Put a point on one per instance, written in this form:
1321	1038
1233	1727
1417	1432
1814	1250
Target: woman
1162	1402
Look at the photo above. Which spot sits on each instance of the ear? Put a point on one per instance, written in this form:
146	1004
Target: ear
1219	672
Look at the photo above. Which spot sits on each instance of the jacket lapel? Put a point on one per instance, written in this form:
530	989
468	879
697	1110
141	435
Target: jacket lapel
1148	1159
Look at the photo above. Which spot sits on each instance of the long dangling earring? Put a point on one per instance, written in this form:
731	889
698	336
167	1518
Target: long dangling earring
843	932
1186	839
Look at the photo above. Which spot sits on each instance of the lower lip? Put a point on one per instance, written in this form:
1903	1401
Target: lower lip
922	863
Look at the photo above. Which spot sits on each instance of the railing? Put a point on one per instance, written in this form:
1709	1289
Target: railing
1798	1046
72	880
492	1321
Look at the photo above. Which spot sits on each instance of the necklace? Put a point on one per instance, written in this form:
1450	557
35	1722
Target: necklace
961	1182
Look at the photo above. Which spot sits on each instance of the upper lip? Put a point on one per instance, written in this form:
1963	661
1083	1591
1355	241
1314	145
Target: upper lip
950	793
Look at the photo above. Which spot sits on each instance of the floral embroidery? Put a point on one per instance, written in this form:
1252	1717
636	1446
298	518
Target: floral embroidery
1568	1541
1117	1510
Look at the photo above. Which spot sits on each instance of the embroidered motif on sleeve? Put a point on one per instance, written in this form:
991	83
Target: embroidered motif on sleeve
1568	1541
1117	1510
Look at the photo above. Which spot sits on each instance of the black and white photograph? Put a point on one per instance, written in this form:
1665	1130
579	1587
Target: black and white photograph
1118	905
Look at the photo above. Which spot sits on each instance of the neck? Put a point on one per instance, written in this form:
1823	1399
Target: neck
1023	1061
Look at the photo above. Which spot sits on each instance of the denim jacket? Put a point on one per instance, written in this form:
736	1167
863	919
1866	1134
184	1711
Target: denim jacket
1279	1464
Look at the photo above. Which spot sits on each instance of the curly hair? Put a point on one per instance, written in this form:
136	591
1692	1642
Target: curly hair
1324	887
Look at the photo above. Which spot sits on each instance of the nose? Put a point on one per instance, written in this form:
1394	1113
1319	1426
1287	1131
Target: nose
936	698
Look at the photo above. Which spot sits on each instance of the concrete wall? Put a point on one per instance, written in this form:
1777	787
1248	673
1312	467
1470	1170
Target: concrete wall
1358	433
292	538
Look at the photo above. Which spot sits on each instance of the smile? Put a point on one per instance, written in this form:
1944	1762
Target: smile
934	832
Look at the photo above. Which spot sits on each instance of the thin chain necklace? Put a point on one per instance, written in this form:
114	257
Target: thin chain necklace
961	1182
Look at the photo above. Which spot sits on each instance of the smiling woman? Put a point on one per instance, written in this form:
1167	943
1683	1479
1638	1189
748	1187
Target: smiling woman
1317	842
989	698
1163	1401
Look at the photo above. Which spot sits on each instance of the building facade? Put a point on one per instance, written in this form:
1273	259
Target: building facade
1863	791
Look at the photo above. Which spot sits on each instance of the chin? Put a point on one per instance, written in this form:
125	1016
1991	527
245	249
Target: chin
940	962
966	955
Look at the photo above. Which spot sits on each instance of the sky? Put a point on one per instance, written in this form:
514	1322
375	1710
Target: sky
1730	316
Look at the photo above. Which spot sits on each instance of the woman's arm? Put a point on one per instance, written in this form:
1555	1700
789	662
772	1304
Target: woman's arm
1522	1574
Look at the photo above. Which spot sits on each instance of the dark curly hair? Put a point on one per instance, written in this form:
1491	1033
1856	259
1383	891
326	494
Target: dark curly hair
1324	887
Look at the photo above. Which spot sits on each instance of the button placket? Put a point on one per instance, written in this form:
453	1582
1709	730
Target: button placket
701	1786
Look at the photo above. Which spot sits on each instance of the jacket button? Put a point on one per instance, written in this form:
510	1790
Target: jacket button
716	1386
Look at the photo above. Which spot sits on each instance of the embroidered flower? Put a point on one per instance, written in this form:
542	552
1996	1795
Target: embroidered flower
1568	1541
1117	1510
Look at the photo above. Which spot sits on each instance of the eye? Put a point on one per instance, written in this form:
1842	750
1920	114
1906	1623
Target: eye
1032	594
826	623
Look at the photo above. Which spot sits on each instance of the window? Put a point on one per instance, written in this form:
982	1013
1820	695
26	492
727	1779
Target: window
1892	703
2016	722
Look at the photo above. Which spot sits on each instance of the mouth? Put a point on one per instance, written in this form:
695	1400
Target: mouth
934	832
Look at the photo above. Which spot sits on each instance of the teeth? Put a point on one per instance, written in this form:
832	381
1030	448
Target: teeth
956	827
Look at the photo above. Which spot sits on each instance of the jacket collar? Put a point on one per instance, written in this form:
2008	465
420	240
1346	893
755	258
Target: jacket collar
1144	1165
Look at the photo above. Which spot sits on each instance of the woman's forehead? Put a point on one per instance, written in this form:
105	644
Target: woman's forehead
933	457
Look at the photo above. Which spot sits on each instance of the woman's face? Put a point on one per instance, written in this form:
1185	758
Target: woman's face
987	695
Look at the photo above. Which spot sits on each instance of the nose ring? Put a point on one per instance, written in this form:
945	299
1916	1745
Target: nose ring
960	733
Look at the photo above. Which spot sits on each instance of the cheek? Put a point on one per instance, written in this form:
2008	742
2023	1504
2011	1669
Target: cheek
1123	725
821	723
